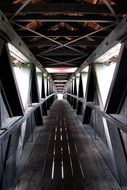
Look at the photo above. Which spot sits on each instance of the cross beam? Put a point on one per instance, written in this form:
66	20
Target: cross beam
118	35
61	46
64	8
57	63
111	9
65	18
44	42
20	8
50	39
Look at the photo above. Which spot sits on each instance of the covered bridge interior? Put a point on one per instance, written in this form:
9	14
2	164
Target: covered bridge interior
63	95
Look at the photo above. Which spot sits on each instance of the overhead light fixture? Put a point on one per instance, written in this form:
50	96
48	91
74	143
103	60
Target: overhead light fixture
14	52
109	54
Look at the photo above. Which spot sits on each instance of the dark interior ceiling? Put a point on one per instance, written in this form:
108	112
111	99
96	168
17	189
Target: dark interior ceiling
62	34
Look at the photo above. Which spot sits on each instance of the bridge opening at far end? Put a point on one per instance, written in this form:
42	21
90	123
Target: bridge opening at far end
60	96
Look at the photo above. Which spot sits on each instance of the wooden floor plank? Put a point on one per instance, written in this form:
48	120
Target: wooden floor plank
64	157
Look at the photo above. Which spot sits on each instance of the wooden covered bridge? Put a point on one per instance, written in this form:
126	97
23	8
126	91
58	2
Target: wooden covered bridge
63	95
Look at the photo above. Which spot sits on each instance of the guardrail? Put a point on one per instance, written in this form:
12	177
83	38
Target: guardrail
13	140
16	122
115	119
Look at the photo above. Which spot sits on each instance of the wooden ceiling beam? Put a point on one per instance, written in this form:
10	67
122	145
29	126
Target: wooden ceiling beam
63	8
8	33
118	35
46	37
80	38
111	9
20	9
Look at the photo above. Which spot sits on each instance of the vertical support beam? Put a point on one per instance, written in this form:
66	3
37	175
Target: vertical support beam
8	82
5	100
0	106
1	45
49	87
119	154
47	103
35	96
116	97
100	125
89	96
67	92
118	88
43	88
72	99
80	95
71	91
90	86
47	94
75	93
69	98
10	165
44	109
50	91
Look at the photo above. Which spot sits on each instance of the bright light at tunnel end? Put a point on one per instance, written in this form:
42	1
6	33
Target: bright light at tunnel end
60	96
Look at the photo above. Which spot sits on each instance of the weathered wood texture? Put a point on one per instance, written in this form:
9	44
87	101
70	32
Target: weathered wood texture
65	157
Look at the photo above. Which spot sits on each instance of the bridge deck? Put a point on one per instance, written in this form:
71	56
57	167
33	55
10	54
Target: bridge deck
63	156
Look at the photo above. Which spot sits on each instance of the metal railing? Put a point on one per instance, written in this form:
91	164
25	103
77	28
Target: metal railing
109	117
8	130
